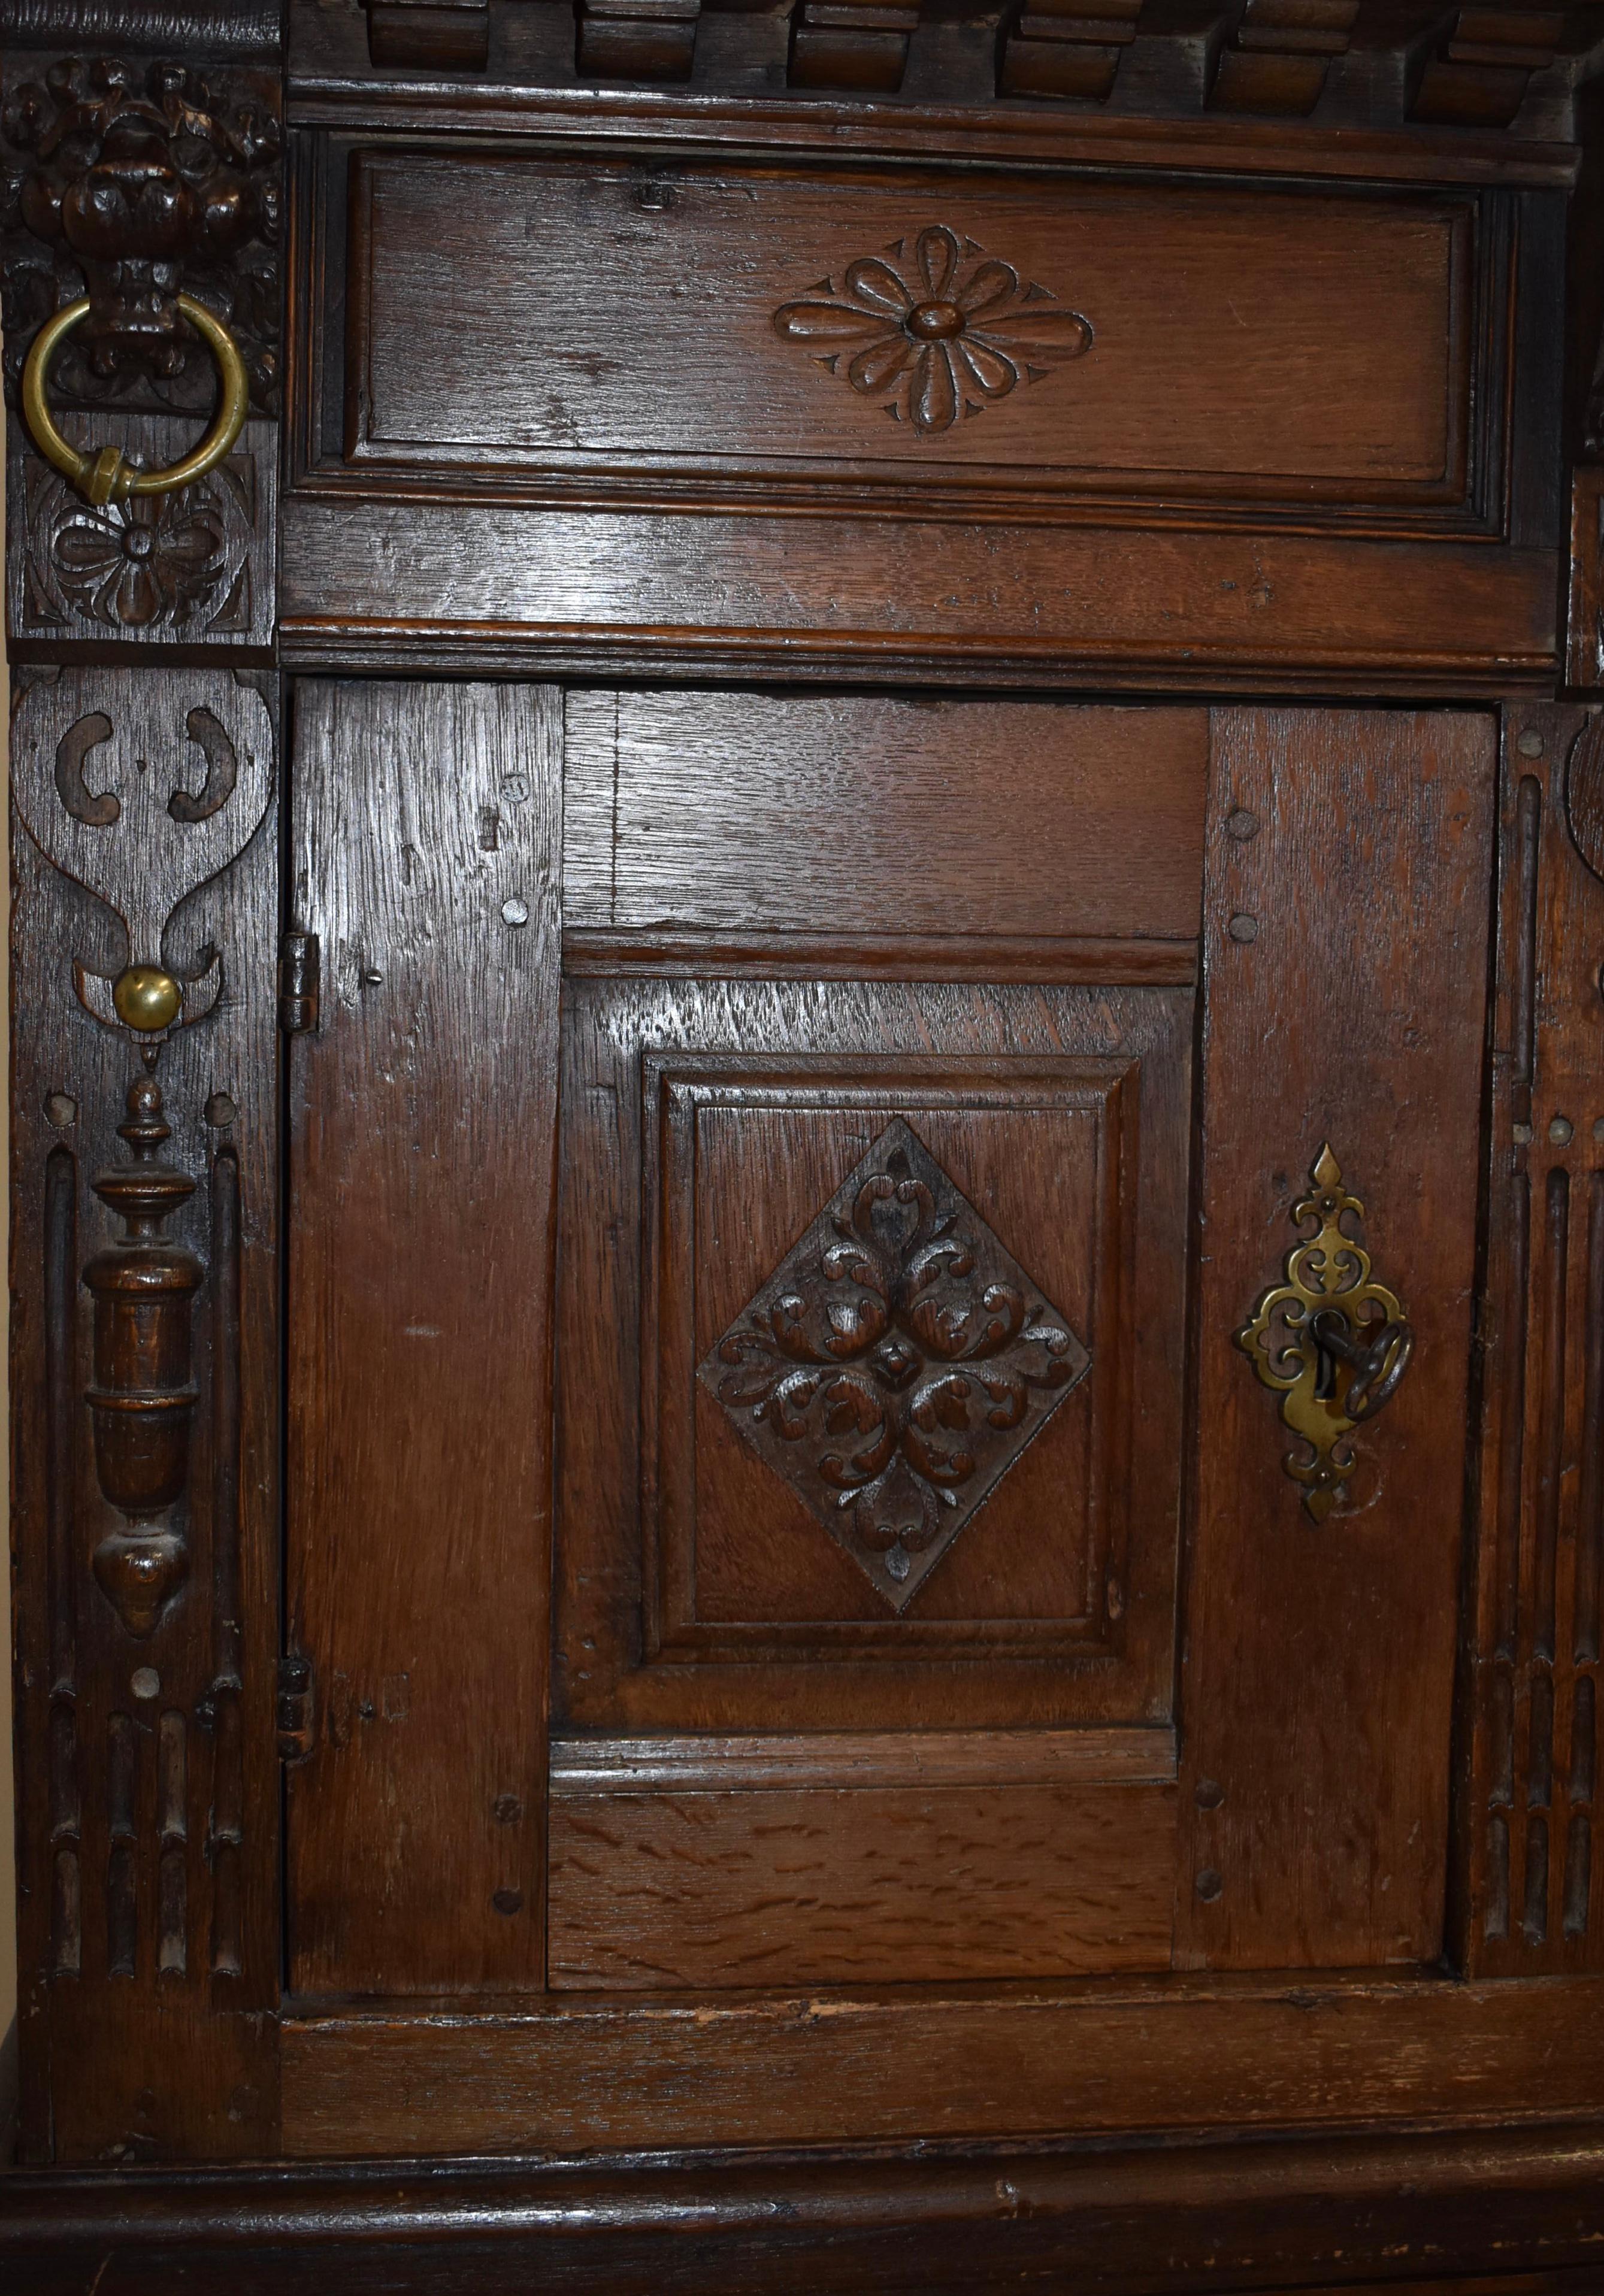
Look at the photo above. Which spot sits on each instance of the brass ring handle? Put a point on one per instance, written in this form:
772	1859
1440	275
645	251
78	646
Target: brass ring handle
1376	1368
107	476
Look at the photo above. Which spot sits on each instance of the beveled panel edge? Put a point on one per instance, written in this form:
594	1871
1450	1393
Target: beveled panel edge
843	1760
677	1082
1468	502
600	952
339	647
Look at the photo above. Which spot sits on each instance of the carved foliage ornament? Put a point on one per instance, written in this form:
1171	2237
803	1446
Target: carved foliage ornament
141	790
175	562
128	182
938	335
896	1365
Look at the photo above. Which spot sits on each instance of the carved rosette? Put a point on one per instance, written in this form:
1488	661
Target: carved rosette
940	333
896	1365
176	563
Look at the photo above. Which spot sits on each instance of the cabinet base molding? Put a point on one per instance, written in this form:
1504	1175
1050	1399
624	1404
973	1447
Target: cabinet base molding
1510	2212
1147	2056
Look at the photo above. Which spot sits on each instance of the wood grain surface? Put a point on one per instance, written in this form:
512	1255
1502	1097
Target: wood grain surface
423	1136
1344	988
420	585
1091	2059
694	1590
879	1885
832	1760
1528	1850
147	1779
1143	2219
859	816
1326	343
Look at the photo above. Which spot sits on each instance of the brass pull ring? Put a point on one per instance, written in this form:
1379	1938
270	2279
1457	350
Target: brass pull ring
107	476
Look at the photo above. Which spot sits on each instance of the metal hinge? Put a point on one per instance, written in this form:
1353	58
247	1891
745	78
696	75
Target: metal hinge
296	1723
298	971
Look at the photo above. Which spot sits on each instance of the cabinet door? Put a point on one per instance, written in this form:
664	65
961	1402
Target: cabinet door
916	1102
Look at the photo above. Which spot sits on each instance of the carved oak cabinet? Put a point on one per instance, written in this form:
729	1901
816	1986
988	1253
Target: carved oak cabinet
808	1180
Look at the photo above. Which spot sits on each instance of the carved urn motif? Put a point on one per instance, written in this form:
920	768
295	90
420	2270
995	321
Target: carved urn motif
142	1399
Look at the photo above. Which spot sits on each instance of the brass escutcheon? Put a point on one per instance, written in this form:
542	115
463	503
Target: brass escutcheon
1328	1339
107	476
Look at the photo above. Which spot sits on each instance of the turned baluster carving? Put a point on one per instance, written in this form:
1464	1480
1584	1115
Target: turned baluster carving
142	1399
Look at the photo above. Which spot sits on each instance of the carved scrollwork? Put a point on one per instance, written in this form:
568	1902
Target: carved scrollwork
140	793
896	1365
1329	1340
127	181
948	334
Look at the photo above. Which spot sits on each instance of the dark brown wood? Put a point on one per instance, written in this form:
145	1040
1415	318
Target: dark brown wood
784	1135
526	591
427	841
1355	64
1153	2054
872	1886
1138	2221
1530	1899
1053	394
748	1145
1316	1695
438	35
192	573
135	181
1064	825
146	1775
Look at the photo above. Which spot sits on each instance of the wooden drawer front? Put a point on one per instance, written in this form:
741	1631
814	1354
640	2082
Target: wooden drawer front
730	333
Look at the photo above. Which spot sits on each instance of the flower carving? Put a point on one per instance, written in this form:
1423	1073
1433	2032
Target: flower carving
938	338
896	1365
151	559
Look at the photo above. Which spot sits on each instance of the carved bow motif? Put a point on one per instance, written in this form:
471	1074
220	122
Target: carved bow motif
942	337
105	790
896	1364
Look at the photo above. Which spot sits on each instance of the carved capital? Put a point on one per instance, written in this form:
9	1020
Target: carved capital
128	180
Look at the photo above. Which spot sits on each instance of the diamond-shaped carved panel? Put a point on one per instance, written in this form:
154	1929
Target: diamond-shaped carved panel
896	1365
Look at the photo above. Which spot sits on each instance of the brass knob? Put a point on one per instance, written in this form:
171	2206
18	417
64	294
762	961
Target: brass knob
107	476
146	998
